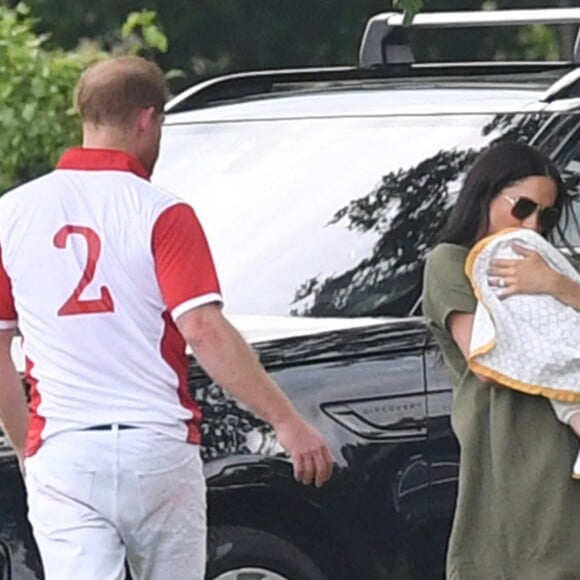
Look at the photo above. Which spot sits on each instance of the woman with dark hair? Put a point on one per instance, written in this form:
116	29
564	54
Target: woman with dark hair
518	510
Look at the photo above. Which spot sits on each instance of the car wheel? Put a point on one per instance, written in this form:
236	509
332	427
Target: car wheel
237	553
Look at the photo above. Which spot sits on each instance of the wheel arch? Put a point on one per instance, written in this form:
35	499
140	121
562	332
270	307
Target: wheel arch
289	516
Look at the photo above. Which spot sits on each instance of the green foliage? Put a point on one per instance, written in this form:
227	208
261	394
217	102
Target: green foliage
210	37
537	42
142	32
37	121
410	8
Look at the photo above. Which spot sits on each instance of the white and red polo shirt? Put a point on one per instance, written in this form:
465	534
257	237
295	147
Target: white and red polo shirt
96	263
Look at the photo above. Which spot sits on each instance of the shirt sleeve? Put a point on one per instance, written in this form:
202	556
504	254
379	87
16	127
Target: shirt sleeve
8	316
446	288
185	270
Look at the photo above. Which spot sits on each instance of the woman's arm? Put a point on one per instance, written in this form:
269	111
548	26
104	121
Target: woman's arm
532	275
460	326
565	289
449	304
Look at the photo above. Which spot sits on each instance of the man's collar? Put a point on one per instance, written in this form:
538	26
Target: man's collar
90	159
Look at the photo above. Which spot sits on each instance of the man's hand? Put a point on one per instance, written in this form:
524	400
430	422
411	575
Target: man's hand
232	363
529	274
311	457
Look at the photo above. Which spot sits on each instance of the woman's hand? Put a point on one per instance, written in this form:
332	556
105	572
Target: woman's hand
529	274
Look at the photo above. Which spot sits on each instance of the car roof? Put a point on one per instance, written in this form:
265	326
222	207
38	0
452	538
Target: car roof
417	95
388	79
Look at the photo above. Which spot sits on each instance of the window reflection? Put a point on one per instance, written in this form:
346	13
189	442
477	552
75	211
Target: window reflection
327	217
571	176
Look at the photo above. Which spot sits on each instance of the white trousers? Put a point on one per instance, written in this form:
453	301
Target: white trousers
98	498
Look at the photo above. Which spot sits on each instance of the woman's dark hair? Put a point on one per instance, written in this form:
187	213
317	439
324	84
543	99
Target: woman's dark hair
498	167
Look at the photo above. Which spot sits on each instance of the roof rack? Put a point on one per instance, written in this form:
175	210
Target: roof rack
386	40
243	84
236	86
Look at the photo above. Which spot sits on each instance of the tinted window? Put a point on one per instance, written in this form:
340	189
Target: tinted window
325	217
571	174
559	137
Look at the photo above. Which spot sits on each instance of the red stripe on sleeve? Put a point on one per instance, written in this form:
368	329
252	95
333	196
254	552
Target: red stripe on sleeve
36	422
183	261
7	308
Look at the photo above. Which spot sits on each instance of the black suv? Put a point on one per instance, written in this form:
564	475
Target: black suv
321	192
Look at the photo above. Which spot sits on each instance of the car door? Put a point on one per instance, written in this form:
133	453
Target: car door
5	564
329	217
443	453
18	552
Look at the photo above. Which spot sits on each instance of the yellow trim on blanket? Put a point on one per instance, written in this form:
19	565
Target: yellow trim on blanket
566	396
503	381
482	349
469	262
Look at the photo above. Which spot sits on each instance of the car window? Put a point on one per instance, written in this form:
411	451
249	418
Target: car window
325	217
559	137
571	175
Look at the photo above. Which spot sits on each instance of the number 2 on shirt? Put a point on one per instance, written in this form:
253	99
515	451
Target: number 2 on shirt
75	305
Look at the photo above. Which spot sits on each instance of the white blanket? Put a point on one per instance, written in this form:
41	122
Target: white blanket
529	342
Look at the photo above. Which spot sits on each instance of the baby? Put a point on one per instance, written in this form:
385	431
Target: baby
527	342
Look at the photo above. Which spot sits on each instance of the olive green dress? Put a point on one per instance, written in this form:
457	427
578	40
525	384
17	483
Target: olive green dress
518	509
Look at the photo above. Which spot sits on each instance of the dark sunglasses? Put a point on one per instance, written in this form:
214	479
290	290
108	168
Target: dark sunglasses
524	207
